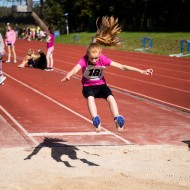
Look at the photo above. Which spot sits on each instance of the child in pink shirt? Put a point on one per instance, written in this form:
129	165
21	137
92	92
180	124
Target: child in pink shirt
50	49
10	43
93	81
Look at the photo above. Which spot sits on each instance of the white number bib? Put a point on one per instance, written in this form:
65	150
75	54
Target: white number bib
94	72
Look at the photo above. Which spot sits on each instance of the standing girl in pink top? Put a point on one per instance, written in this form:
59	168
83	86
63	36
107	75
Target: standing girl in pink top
50	49
93	81
10	43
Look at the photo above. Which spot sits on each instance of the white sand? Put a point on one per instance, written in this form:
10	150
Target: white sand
129	167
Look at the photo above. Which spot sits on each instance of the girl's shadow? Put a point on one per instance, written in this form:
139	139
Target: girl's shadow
58	149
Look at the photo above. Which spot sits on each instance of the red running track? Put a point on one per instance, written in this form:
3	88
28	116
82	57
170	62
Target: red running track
156	108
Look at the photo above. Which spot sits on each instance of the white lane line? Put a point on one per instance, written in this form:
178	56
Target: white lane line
19	125
149	98
123	91
160	85
65	107
71	134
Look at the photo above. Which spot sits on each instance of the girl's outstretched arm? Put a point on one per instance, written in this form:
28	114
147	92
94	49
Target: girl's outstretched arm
68	76
129	68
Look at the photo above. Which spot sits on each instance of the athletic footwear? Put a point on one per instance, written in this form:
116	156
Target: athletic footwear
47	69
8	61
2	79
15	61
119	121
21	65
97	123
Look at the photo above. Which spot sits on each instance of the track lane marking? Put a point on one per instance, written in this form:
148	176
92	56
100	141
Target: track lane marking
135	93
120	54
71	133
19	125
65	107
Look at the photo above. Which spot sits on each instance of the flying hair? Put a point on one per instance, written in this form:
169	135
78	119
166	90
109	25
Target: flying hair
107	32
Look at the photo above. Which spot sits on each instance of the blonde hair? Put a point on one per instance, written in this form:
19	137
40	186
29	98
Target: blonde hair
30	51
93	46
107	33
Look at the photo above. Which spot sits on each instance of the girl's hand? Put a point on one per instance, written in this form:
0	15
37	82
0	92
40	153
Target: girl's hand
148	72
65	79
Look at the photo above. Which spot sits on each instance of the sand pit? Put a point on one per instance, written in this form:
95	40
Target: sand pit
95	167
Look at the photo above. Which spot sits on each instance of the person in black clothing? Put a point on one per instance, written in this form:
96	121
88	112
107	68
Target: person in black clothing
41	61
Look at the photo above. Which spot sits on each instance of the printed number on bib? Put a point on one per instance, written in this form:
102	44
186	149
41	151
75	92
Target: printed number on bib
95	72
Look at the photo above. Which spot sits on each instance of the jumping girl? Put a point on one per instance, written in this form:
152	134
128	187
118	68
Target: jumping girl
93	65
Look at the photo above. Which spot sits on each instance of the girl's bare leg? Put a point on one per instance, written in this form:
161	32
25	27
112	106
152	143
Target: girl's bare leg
93	112
119	119
48	59
113	106
51	60
14	53
92	106
9	54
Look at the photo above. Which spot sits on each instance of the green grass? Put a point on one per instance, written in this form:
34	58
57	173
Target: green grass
163	43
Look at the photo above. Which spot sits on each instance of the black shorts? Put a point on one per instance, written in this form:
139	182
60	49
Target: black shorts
9	44
100	91
30	62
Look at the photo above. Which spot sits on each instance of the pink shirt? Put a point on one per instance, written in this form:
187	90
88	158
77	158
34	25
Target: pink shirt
51	43
10	37
93	75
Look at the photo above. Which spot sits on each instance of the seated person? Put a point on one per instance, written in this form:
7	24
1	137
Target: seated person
41	61
29	60
41	35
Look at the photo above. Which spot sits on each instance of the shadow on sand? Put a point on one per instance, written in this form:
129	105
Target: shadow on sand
58	149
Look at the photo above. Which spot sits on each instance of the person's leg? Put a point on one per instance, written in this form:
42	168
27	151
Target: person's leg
24	63
119	119
51	60
92	106
48	58
93	112
14	53
1	69
2	77
9	54
113	106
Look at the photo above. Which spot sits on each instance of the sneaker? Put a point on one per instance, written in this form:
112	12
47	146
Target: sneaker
47	69
97	123
8	61
51	69
21	66
119	121
2	79
15	61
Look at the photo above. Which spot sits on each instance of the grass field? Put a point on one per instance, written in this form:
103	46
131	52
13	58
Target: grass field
163	43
